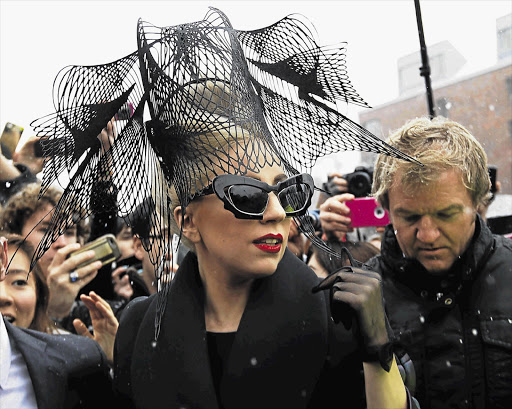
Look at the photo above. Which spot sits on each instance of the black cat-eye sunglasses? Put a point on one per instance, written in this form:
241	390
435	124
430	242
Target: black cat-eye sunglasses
247	198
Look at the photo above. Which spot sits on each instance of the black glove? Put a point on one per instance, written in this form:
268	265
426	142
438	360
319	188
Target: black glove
356	300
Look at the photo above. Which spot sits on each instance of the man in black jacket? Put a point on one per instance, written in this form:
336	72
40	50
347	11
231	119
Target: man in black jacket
447	278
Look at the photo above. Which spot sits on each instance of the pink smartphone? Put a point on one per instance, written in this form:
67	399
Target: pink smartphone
366	211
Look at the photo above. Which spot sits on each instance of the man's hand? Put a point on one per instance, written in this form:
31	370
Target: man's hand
63	285
7	169
107	136
337	181
122	286
104	323
335	216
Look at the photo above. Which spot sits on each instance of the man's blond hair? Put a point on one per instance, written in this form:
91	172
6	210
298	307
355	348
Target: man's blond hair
440	145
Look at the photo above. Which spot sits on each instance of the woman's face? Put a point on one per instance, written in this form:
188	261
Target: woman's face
18	295
239	249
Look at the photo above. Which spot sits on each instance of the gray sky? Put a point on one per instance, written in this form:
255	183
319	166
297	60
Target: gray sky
38	38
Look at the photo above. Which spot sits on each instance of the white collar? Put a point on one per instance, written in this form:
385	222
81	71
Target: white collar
5	353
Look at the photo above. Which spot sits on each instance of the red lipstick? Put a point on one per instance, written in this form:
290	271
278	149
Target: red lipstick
270	243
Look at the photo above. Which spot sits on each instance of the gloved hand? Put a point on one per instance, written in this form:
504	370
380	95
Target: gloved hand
356	300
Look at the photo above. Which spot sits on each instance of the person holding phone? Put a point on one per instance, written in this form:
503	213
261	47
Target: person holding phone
24	298
244	322
27	215
40	369
65	274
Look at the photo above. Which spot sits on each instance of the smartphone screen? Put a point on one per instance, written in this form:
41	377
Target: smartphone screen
11	135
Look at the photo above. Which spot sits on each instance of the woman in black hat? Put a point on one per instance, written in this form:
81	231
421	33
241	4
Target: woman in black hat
235	117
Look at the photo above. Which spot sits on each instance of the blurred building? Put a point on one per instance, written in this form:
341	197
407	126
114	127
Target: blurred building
481	101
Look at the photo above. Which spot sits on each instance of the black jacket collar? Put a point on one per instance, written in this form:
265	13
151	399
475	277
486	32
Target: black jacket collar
280	345
412	274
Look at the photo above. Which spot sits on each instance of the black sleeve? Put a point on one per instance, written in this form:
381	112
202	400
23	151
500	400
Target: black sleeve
130	321
341	383
93	385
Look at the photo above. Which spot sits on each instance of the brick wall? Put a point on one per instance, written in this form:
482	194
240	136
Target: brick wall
482	104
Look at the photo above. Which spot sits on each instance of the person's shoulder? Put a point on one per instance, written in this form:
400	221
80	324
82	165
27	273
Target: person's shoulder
66	342
374	264
503	242
71	348
500	255
135	310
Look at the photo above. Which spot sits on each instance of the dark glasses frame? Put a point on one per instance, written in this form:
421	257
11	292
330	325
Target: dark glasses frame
222	183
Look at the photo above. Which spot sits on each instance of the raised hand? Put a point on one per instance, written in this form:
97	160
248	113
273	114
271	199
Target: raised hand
104	323
122	286
65	280
335	216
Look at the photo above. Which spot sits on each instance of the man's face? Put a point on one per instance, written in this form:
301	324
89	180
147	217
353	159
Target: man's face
37	225
435	223
148	269
125	242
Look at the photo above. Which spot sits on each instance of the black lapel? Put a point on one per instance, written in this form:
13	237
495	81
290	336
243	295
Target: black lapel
43	367
176	371
281	345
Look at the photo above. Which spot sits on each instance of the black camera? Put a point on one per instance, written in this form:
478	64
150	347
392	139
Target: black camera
359	182
314	218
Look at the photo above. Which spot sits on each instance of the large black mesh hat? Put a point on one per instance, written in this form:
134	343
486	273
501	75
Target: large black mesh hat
261	96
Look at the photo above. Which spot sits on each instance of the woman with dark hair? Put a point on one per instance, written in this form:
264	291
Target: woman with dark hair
24	296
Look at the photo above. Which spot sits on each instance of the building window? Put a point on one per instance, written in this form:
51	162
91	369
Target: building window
509	87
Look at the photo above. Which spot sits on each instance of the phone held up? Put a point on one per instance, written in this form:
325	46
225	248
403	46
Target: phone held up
105	248
11	135
366	211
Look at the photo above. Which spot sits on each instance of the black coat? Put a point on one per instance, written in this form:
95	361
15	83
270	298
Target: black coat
67	371
457	328
286	353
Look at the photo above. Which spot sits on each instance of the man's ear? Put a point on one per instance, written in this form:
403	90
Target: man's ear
185	220
138	248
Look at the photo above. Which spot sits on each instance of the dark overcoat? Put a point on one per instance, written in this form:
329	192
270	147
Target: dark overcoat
67	371
287	353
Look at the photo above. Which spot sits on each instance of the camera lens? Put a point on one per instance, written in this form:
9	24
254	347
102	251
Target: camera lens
379	212
360	184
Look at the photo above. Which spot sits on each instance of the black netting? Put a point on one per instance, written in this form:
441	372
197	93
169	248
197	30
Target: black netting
262	96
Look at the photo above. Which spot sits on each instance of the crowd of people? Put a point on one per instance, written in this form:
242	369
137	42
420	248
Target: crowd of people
267	302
